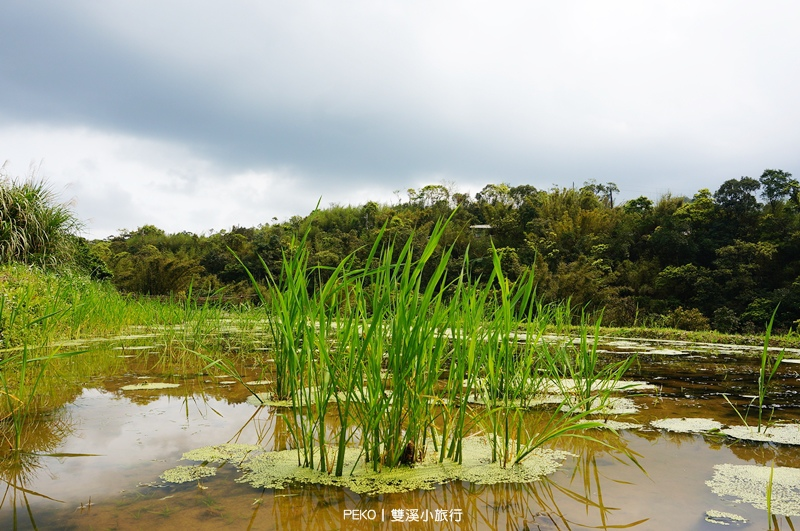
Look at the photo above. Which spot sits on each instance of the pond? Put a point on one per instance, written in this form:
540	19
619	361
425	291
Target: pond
96	460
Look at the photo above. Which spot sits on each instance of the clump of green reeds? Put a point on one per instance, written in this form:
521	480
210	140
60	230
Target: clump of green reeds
577	370
88	308
387	355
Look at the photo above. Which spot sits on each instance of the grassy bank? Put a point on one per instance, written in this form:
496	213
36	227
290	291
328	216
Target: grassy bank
39	307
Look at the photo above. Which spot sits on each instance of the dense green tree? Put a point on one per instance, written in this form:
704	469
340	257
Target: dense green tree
777	185
721	258
152	272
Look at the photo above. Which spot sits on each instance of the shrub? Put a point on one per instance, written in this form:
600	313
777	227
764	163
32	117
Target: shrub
34	227
726	320
691	319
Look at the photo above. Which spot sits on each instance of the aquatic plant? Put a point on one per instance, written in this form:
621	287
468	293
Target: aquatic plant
577	371
750	483
767	369
769	496
509	365
387	355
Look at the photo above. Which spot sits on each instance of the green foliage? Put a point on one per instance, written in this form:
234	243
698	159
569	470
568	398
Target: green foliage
690	319
34	227
726	320
85	307
152	272
778	185
369	346
638	260
769	366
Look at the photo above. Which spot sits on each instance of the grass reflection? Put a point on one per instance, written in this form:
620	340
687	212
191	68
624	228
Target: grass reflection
553	503
24	446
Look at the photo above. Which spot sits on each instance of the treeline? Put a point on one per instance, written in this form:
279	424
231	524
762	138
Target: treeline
722	260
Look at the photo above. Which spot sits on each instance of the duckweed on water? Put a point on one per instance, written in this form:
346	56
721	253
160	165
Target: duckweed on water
748	483
280	469
687	425
721	518
611	406
277	470
185	474
568	385
617	425
267	398
221	453
781	434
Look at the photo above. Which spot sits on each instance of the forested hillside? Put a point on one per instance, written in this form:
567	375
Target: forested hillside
721	259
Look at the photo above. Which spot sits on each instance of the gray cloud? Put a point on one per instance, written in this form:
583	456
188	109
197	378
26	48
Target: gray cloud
655	96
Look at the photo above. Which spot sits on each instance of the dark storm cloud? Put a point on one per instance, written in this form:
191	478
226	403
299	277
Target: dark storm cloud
356	96
61	68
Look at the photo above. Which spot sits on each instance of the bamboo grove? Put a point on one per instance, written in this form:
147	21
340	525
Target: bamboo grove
720	260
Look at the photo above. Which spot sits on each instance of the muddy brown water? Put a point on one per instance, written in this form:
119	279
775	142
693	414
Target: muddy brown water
95	462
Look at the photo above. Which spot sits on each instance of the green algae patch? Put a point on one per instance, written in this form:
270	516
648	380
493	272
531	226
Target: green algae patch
280	469
307	396
721	518
149	386
687	425
617	425
780	433
748	484
222	453
608	406
267	399
185	474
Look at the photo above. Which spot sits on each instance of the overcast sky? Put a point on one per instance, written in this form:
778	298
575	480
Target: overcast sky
199	115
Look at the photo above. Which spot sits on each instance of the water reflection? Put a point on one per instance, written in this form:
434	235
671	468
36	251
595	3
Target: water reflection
140	435
29	441
545	504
